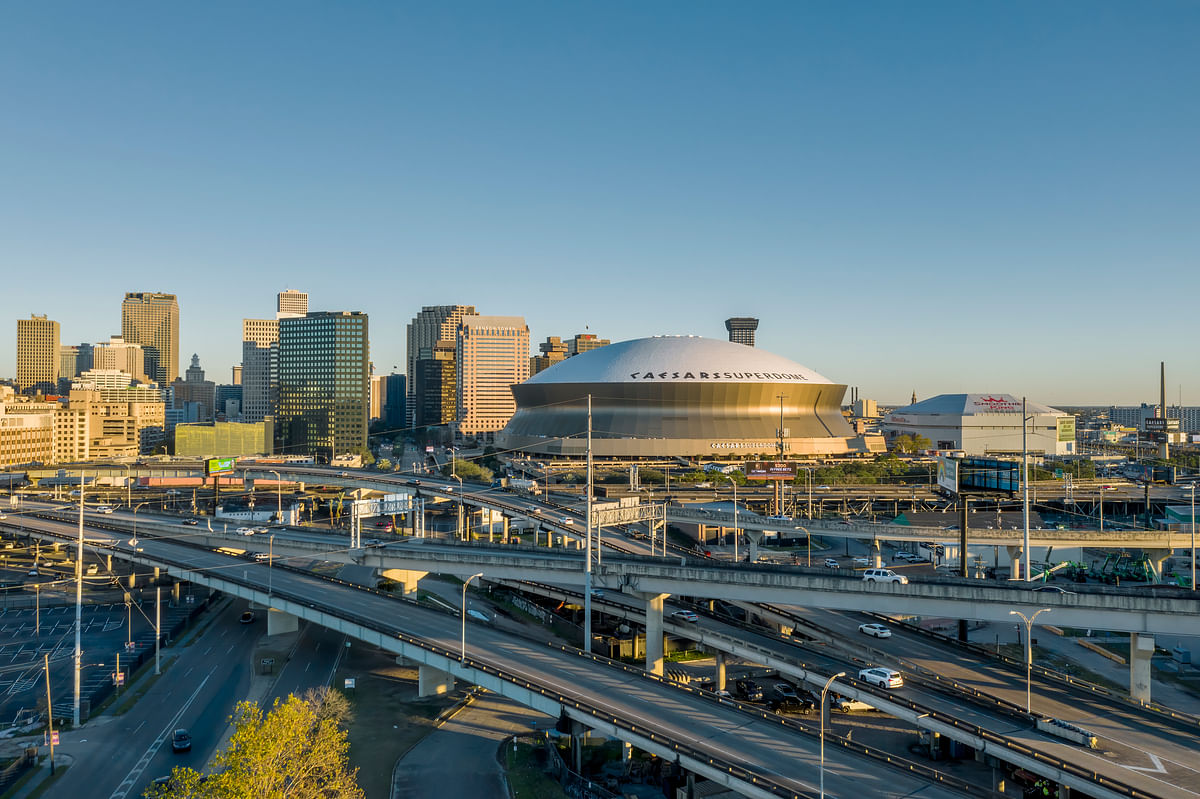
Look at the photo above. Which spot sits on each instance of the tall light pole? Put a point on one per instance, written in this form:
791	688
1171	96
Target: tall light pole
1025	487
134	541
1192	531
462	658
1102	490
1029	620
587	554
78	608
828	683
735	518
270	564
278	496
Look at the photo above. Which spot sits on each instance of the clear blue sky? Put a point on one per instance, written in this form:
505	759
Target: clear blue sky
932	196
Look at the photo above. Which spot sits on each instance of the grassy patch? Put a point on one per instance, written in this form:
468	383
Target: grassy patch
682	656
525	775
388	718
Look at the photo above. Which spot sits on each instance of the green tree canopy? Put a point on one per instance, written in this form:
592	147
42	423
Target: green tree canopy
296	751
468	470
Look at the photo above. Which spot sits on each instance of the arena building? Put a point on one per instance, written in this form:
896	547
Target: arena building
681	396
983	424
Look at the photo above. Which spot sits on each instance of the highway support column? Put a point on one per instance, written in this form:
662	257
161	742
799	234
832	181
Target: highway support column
654	632
1014	558
433	682
280	622
1141	650
753	539
407	579
876	555
719	677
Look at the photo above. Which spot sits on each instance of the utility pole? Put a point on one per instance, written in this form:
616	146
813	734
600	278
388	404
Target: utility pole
587	569
49	714
78	608
1025	486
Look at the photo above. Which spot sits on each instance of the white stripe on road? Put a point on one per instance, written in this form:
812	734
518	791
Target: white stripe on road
135	774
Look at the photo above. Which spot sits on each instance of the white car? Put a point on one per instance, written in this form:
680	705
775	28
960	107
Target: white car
883	576
685	615
566	520
831	563
245	531
884	678
103	509
862	561
876	630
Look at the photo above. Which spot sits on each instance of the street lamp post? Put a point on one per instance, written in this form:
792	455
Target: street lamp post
1029	620
133	542
736	532
828	683
278	496
270	564
1192	532
462	658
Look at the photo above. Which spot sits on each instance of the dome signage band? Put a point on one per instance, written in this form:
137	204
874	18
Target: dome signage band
714	376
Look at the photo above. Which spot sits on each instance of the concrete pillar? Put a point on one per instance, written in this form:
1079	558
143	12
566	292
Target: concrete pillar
108	563
505	529
133	578
753	539
626	751
720	675
176	588
1014	558
407	579
431	681
577	753
654	632
1141	649
999	781
1157	558
279	622
876	555
157	572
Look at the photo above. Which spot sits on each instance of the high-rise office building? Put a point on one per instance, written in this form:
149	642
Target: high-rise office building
152	320
324	384
436	386
237	375
378	397
433	324
585	342
68	366
394	405
260	349
493	355
37	355
553	349
290	304
195	389
741	329
123	355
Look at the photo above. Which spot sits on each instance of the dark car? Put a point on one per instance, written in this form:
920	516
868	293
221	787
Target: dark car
247	617
181	741
749	690
782	692
786	706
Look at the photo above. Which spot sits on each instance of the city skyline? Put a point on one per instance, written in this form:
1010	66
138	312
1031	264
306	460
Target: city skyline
942	199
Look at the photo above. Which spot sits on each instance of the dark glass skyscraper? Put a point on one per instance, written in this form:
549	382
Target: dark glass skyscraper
324	384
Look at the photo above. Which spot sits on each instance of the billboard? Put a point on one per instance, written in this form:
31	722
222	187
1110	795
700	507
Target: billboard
947	474
770	470
215	466
1066	428
990	474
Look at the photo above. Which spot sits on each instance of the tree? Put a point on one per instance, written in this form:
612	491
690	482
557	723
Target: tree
383	465
468	470
296	751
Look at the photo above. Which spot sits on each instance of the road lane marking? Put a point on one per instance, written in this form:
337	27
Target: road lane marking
135	774
1157	769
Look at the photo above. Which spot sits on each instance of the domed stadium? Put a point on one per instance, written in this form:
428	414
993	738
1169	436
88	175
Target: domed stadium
680	396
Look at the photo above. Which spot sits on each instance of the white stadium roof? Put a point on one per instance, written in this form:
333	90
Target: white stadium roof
678	359
973	404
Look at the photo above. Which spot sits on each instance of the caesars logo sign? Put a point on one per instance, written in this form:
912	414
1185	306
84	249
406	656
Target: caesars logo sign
670	375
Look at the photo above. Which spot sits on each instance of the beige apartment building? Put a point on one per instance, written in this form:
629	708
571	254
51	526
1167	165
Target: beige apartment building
37	354
26	430
260	351
121	355
493	356
152	320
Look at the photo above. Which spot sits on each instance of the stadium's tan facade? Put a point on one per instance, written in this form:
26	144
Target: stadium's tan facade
680	396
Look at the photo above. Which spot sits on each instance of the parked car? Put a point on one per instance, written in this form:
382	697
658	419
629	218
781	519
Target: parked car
181	741
884	678
876	630
831	563
748	690
685	615
884	576
783	693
